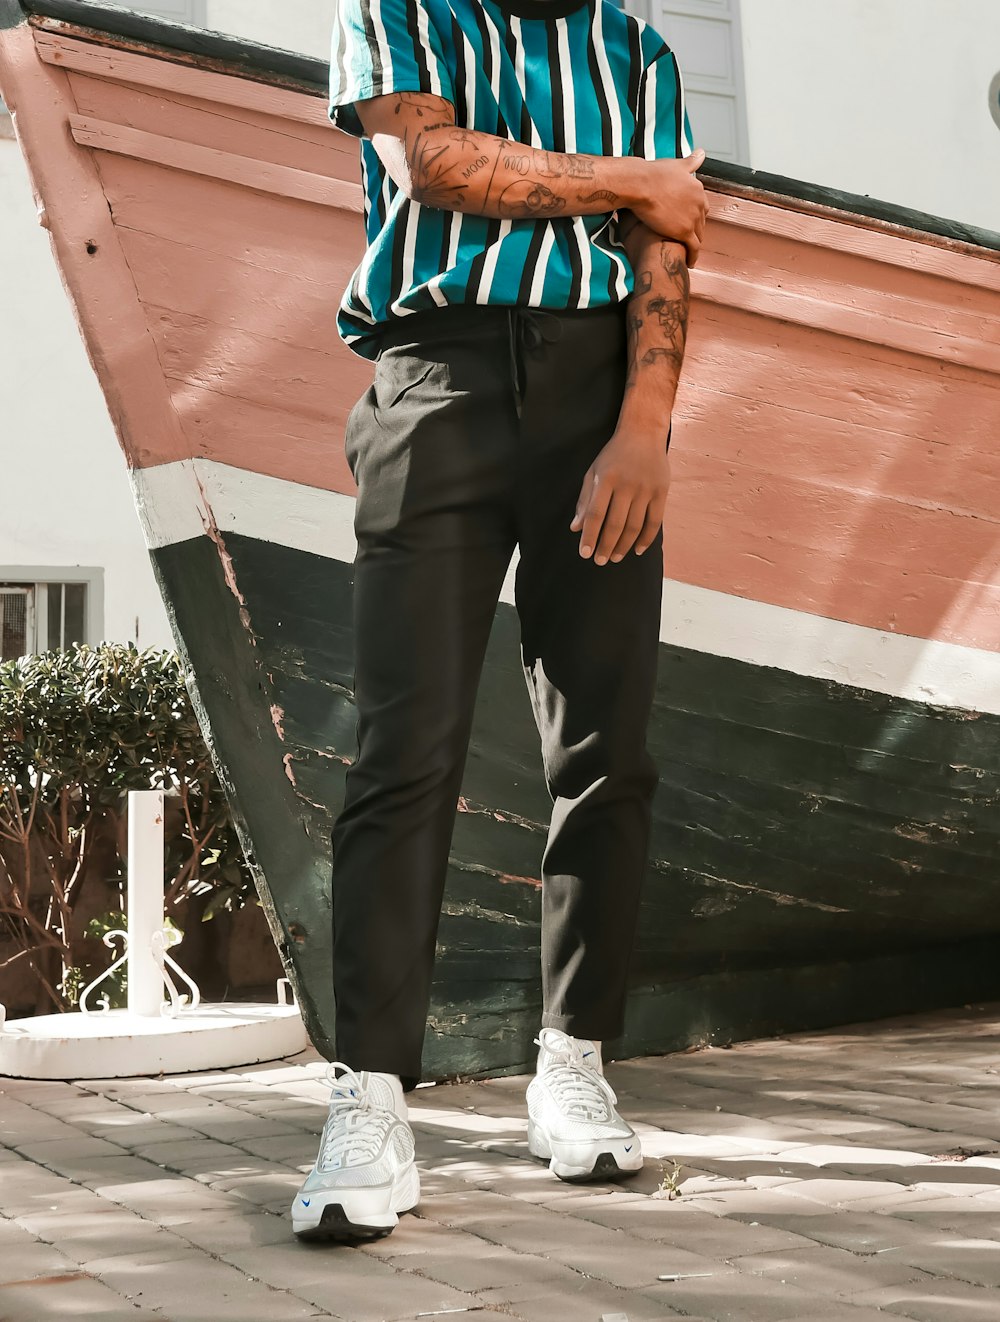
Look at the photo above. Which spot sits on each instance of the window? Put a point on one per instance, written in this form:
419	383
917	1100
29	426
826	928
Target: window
181	11
17	620
47	613
705	34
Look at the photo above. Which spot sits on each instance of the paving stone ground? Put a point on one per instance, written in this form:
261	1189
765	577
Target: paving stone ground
837	1176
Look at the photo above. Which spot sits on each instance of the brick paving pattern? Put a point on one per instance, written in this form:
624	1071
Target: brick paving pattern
837	1176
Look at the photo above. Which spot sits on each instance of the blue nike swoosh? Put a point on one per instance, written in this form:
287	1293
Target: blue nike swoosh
306	1202
629	1148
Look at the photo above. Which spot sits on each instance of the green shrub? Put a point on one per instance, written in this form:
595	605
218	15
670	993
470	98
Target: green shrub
79	729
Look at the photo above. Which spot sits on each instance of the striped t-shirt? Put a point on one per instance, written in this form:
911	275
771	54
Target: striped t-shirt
562	75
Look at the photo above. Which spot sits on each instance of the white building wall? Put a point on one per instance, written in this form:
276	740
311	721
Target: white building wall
884	97
297	25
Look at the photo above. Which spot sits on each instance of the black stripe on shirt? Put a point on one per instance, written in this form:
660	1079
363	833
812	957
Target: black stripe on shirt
510	46
461	101
563	224
494	227
595	74
419	53
607	143
374	49
531	262
634	73
678	108
502	130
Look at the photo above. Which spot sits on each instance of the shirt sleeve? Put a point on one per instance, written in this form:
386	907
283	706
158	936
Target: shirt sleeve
381	46
662	127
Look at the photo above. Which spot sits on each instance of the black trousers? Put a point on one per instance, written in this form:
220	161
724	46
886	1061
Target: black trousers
473	438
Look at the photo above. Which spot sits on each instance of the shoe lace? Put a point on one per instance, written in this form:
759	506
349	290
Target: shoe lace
356	1125
580	1090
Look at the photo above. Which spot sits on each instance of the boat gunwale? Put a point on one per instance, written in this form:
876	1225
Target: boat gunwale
110	25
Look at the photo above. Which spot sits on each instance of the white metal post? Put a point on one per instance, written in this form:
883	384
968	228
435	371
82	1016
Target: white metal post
145	899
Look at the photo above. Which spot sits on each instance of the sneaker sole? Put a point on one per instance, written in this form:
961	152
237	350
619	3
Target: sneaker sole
353	1214
606	1163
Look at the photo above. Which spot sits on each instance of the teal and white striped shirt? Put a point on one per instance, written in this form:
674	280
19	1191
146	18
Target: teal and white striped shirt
562	75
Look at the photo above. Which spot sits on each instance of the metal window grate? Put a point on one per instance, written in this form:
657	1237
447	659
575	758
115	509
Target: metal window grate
41	617
16	633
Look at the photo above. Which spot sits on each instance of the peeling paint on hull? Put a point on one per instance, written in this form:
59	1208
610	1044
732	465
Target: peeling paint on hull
790	884
828	713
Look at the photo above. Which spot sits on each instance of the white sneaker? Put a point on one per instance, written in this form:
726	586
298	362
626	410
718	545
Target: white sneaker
364	1174
572	1119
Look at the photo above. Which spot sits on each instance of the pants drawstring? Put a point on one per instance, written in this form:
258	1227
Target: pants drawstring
529	328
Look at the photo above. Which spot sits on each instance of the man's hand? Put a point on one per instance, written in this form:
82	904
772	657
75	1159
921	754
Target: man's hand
676	206
624	492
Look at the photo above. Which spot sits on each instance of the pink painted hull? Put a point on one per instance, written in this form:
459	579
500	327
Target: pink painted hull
829	719
835	439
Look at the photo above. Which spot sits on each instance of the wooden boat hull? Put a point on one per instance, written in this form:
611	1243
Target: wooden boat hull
828	712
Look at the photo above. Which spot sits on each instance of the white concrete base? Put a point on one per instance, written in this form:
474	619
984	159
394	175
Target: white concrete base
117	1044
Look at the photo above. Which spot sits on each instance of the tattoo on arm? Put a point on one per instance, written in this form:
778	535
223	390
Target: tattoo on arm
657	319
460	169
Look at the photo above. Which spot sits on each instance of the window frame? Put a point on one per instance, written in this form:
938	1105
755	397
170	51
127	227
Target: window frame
40	576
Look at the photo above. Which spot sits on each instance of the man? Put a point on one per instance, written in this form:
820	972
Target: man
524	293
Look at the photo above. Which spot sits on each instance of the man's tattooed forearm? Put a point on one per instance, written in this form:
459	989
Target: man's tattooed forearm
461	169
664	314
443	174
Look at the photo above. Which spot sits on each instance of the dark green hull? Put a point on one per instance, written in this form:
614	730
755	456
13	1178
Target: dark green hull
820	853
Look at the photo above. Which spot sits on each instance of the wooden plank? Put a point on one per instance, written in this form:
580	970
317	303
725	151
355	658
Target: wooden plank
286	307
975	268
855	323
807	198
854	457
825	379
249	435
211	125
154	73
288	379
707	544
276	234
263	176
247	58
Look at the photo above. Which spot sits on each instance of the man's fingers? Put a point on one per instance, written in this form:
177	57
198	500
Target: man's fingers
651	526
581	500
614	523
634	525
597	506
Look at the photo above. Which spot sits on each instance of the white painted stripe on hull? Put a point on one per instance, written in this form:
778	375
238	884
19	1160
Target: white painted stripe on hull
181	500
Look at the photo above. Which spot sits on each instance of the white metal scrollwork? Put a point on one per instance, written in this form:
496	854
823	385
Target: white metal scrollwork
163	939
104	1005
